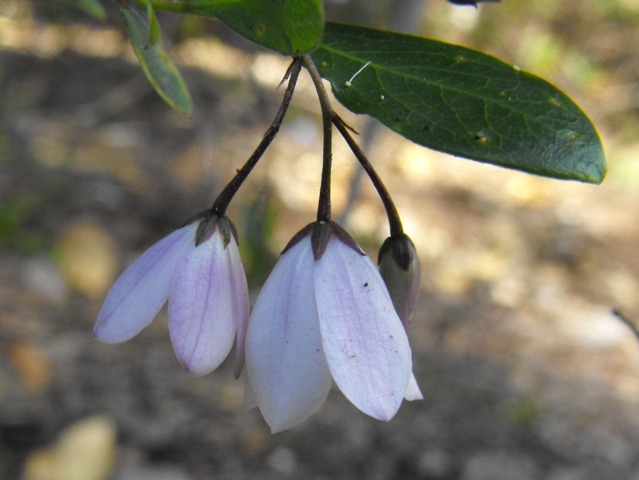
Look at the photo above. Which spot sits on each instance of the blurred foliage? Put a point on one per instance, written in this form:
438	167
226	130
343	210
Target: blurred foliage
291	28
14	213
155	61
92	8
258	218
524	411
85	450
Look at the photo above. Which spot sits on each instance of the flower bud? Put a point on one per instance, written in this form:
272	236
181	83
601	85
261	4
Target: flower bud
400	268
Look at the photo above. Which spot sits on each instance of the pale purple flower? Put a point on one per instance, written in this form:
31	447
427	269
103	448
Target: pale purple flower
197	268
324	315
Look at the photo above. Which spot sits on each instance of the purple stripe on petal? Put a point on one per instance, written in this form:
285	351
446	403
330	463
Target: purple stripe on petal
139	293
364	341
202	309
284	358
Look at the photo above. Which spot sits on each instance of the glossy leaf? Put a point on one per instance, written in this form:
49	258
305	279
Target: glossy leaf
460	101
291	27
157	65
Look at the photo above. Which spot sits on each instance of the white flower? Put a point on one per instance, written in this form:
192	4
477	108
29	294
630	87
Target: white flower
198	269
323	315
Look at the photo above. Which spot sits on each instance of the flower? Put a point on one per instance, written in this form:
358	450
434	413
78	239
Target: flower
198	269
401	271
324	315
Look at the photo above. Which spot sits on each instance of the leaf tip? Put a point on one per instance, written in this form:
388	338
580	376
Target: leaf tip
598	171
593	167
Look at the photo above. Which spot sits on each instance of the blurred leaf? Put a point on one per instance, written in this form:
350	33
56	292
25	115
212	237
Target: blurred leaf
88	259
288	27
159	69
33	364
91	7
85	451
154	26
523	412
461	102
13	214
258	219
472	2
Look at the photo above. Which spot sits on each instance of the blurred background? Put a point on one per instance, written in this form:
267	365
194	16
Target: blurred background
526	372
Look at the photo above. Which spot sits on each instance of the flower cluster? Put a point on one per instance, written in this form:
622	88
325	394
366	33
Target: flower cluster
326	315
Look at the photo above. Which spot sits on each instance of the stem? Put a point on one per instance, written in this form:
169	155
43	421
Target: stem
224	198
324	204
394	222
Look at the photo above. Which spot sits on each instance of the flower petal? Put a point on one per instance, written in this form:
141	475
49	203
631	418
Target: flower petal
284	358
139	293
202	307
364	341
413	392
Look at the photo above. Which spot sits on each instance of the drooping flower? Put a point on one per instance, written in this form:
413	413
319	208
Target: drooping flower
324	315
400	268
197	268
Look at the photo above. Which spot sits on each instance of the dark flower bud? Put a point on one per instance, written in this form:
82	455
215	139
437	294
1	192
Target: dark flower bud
400	268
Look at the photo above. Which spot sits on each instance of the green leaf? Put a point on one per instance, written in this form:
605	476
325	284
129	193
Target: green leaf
460	101
154	26
157	65
91	7
291	27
